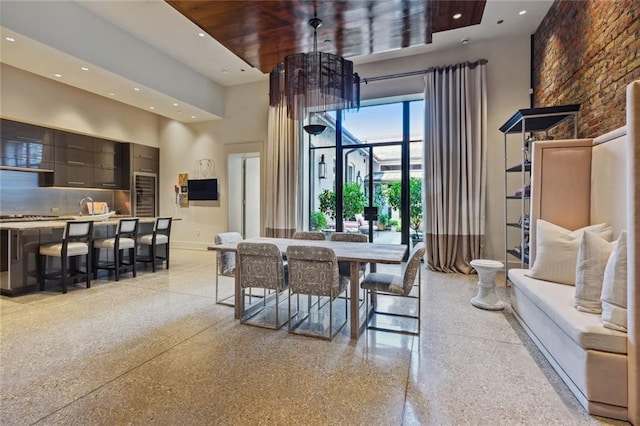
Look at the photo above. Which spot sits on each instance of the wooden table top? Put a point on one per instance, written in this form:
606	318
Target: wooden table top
345	251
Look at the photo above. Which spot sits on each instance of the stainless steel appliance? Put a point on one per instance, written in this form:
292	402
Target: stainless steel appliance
145	195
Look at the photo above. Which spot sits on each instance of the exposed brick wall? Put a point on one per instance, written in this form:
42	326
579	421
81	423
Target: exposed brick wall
586	52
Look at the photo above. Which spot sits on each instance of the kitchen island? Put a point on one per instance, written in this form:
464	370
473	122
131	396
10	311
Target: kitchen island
20	243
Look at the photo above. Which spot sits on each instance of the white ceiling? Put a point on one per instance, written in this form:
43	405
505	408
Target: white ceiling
148	45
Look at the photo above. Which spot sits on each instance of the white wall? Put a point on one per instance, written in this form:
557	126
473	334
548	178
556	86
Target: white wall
507	91
243	130
37	100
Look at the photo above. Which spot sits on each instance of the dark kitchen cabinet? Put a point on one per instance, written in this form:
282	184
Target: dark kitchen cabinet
18	260
25	147
25	132
73	141
107	164
145	159
73	175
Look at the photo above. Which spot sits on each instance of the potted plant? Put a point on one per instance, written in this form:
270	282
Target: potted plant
394	224
317	221
383	220
353	201
415	204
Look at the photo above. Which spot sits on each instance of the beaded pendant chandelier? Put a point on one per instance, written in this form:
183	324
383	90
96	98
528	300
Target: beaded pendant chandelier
314	82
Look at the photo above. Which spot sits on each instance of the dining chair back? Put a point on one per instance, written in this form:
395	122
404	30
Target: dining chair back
261	266
77	240
313	271
396	285
351	237
126	238
308	235
225	263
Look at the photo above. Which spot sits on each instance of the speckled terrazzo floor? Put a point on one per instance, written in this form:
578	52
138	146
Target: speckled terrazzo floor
157	350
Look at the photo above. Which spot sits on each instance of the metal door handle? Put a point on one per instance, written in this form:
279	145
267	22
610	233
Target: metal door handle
75	163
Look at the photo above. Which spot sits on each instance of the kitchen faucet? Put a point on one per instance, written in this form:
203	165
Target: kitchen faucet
87	199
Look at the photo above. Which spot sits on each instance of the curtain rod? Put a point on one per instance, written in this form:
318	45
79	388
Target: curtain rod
428	70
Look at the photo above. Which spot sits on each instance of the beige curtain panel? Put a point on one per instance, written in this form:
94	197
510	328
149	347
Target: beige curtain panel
455	165
281	175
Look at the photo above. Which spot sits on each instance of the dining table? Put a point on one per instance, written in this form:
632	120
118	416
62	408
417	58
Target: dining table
354	253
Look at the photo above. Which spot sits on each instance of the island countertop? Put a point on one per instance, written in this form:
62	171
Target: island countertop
60	223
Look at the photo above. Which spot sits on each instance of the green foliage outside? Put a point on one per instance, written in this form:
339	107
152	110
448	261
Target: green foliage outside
415	201
393	222
352	204
318	221
383	219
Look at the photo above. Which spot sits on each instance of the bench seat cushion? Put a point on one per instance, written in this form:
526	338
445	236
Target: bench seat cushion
556	300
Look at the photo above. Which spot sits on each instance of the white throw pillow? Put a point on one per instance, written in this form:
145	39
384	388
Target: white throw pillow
557	251
593	254
614	287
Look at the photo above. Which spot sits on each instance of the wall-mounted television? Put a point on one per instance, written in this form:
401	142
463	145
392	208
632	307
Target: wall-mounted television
202	189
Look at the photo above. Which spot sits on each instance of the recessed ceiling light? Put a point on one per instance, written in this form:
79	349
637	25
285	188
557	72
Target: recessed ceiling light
57	75
522	12
465	40
152	107
201	34
84	69
136	89
11	39
193	116
225	71
328	41
111	94
175	104
457	16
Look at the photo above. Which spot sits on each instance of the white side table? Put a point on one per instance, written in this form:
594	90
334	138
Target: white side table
486	297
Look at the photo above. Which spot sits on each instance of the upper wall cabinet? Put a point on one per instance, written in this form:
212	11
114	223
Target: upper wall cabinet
85	161
107	164
145	159
25	147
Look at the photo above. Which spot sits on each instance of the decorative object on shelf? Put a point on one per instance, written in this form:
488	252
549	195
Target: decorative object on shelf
314	81
322	168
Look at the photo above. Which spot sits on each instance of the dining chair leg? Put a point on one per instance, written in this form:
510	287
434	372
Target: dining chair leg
153	257
132	258
41	270
167	254
88	270
63	271
117	262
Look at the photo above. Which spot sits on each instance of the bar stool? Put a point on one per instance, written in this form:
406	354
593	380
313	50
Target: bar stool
160	236
125	239
76	241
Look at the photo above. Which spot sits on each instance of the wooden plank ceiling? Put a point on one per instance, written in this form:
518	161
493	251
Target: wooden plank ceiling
263	32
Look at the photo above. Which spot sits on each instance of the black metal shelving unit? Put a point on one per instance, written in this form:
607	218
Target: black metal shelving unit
526	121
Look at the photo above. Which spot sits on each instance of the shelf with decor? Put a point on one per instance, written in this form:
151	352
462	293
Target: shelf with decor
523	128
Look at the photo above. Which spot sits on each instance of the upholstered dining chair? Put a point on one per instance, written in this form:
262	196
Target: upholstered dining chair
77	240
124	239
313	271
261	266
226	262
396	285
159	237
308	235
345	267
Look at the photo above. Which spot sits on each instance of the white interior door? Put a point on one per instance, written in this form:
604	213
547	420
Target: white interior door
244	194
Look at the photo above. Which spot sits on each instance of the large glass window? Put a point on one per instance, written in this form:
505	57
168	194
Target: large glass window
372	184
